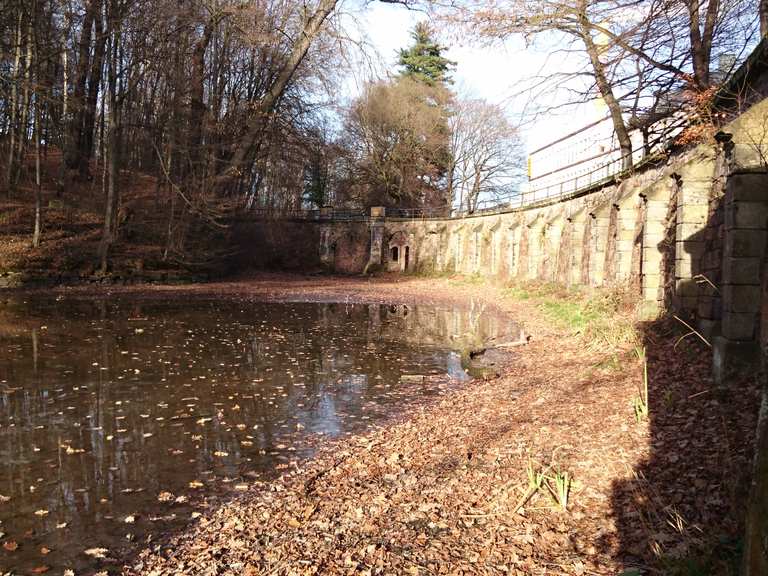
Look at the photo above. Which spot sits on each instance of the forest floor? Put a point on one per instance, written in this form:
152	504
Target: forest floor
72	227
450	487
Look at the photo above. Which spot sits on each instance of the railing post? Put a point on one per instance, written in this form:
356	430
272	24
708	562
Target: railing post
378	212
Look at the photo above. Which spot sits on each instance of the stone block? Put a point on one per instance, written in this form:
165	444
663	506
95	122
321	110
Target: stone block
687	302
695	248
746	215
738	298
739	325
689	231
686	287
712	260
626	235
693	213
747	188
745	243
732	356
651	293
656	210
742	271
709	307
708	328
624	245
686	267
378	211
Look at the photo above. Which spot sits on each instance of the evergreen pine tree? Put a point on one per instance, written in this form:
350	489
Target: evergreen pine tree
424	61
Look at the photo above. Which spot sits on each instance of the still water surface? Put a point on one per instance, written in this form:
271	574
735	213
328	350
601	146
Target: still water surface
117	417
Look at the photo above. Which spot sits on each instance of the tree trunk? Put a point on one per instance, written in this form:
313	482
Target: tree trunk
112	165
14	106
606	91
264	108
72	154
25	104
64	110
196	99
38	183
85	145
763	10
701	40
38	118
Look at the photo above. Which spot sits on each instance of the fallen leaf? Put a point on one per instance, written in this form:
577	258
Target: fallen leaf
11	545
96	552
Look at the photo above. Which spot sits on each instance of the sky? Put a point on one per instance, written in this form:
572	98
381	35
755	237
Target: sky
495	74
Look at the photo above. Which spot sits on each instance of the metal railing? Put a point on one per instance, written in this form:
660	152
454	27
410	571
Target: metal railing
599	176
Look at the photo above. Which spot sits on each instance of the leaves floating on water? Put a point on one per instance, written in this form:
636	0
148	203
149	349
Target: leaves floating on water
41	513
11	545
4	498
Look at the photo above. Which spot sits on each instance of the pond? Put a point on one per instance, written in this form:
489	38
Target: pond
120	417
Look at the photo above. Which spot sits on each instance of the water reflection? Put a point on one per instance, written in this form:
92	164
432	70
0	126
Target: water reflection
116	415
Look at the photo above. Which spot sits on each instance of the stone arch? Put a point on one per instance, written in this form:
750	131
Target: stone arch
398	252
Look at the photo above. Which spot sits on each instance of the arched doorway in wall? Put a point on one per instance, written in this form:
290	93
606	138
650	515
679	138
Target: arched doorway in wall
399	253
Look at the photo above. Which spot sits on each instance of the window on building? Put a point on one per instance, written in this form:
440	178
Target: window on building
395	254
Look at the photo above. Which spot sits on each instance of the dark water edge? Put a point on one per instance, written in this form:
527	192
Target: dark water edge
120	417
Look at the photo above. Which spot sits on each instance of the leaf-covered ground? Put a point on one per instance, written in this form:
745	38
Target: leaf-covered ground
442	489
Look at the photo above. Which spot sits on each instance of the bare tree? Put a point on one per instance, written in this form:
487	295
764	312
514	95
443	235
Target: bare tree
486	154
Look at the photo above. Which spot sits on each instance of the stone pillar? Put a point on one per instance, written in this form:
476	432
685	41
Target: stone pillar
600	226
477	242
586	251
326	248
611	234
565	252
636	264
552	242
523	259
377	245
513	249
744	252
578	230
691	220
626	237
534	234
746	213
655	247
494	247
